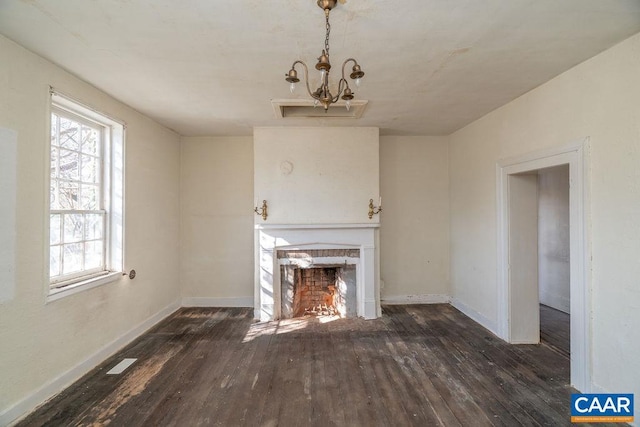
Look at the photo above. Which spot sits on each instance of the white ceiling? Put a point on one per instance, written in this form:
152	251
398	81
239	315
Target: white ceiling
211	67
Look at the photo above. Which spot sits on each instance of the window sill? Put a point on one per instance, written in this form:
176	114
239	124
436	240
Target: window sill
56	294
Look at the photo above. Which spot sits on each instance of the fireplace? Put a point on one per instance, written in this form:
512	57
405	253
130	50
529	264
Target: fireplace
340	277
312	289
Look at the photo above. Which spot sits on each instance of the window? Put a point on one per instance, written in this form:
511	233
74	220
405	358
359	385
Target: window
85	200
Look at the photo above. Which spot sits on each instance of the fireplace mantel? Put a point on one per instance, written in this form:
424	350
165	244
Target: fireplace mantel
269	238
314	226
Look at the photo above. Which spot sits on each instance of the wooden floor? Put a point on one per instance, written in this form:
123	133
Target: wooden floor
555	329
422	365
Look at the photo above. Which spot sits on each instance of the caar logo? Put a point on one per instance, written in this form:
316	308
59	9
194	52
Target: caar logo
601	408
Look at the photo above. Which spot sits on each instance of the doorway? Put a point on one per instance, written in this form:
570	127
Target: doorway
554	255
518	291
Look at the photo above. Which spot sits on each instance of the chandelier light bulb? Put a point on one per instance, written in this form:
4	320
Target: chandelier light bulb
348	104
358	81
292	87
315	103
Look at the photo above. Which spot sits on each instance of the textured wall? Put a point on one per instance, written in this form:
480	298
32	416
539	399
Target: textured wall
217	219
41	341
414	235
553	237
216	257
599	99
316	175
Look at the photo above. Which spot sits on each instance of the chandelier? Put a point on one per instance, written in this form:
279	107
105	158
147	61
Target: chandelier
322	95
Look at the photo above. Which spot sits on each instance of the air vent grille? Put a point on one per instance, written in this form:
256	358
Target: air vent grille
302	108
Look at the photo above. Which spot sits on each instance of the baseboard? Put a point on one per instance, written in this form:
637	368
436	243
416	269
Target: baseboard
416	299
217	302
14	413
474	315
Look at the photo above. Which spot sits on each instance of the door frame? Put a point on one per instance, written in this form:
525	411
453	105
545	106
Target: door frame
576	156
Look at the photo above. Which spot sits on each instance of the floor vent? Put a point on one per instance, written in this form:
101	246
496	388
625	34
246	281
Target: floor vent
120	367
303	108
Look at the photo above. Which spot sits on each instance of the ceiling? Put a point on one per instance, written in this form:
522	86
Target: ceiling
207	67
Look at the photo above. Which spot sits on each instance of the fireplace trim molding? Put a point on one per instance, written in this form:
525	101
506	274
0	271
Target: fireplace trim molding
270	238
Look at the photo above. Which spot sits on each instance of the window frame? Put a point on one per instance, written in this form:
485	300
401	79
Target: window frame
62	279
112	176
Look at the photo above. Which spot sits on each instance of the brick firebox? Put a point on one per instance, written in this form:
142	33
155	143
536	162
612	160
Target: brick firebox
312	288
313	291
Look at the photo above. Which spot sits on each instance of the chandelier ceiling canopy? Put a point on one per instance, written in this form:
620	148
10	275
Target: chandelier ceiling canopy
322	95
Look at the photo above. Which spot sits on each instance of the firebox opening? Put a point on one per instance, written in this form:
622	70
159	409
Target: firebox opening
318	291
314	290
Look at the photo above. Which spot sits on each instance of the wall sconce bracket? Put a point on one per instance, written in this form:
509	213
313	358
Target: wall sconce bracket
374	210
263	210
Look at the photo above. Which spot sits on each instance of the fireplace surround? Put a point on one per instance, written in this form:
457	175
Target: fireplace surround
285	247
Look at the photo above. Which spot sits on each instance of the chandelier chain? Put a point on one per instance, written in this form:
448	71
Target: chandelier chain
326	40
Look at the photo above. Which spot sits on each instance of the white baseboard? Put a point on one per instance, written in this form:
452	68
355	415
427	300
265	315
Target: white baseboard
23	407
217	302
474	315
416	299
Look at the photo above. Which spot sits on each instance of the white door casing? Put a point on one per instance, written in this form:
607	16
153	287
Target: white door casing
576	155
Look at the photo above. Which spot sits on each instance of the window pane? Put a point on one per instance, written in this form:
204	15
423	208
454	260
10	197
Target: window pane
55	229
69	165
72	258
54	197
54	261
90	171
90	199
94	226
54	161
54	129
73	228
68	195
90	141
69	134
93	254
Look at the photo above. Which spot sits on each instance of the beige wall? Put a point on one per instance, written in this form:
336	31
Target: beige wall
41	341
332	174
553	238
216	257
599	99
414	235
217	219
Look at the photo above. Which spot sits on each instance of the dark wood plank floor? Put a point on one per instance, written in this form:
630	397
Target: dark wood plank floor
555	329
422	365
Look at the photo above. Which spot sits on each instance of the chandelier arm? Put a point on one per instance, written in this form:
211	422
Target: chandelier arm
346	61
340	89
306	76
